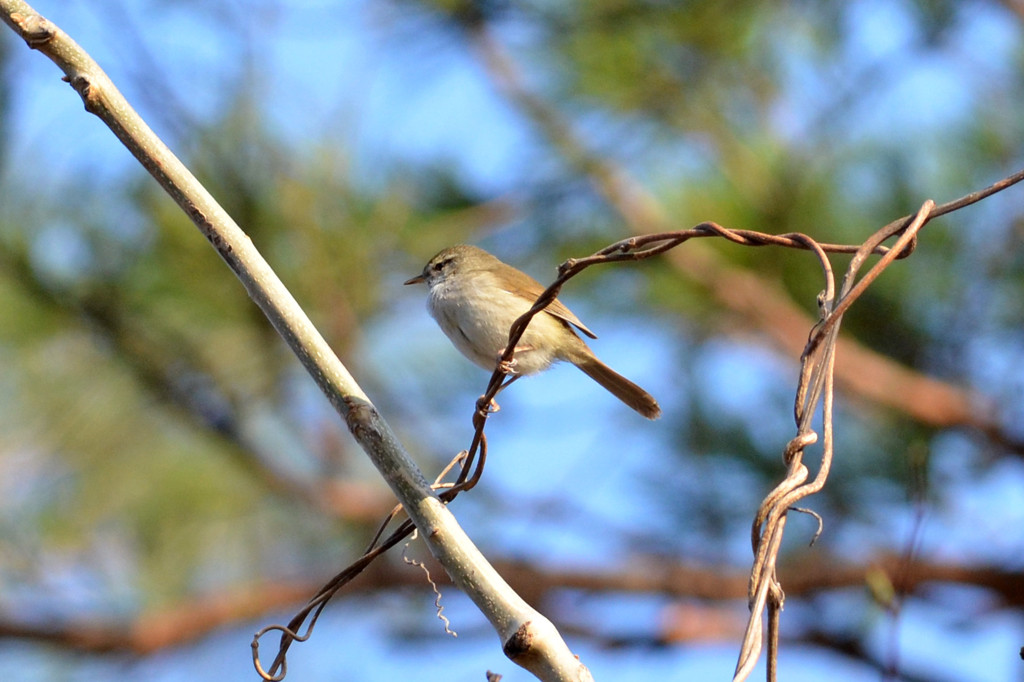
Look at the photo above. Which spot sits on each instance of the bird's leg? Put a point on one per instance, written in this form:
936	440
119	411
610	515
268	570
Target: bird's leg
509	366
508	383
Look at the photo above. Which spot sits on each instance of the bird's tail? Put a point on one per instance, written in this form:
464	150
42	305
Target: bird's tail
621	387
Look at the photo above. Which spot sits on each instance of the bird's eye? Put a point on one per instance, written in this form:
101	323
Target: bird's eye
440	265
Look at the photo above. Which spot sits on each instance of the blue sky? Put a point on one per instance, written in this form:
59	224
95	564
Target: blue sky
340	74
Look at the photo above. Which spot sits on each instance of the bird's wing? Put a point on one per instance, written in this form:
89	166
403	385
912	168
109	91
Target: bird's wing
558	309
518	283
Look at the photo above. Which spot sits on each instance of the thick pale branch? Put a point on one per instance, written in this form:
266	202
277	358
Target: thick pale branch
529	639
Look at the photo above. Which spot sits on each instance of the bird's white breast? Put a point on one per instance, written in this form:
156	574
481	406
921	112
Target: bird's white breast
475	312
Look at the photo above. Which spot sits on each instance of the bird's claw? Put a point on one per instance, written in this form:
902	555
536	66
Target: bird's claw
508	366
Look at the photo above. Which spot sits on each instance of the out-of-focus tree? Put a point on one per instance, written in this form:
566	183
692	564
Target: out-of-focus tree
160	443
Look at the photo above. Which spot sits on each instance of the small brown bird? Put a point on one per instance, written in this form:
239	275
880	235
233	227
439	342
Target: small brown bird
475	298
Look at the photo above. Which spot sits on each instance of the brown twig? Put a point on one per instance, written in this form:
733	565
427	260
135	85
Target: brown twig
816	383
763	302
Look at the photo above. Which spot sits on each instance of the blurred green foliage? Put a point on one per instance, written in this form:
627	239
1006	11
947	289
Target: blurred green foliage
148	406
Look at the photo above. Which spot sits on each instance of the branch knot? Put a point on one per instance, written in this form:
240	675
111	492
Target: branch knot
35	29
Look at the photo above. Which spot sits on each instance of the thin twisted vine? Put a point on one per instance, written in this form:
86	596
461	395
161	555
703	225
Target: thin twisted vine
816	384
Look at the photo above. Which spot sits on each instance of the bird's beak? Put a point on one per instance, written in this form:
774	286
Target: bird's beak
416	280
